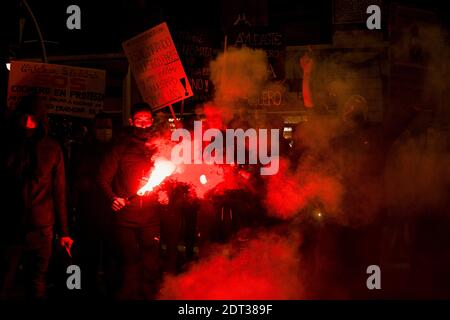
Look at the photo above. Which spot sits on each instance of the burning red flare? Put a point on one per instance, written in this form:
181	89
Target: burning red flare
163	169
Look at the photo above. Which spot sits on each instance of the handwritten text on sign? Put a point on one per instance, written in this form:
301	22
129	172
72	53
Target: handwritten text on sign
65	90
157	67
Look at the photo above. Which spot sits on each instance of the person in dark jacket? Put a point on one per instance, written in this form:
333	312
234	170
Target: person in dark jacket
92	210
137	221
33	192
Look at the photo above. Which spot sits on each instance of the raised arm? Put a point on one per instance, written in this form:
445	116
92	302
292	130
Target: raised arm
307	64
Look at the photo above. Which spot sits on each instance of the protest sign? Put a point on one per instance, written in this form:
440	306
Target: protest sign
65	90
157	68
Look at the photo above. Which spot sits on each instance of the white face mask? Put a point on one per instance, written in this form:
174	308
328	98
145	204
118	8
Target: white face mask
103	135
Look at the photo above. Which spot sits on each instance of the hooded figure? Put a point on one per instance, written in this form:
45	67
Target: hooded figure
33	194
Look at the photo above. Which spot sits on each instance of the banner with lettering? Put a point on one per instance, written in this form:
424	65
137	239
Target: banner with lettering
157	68
65	90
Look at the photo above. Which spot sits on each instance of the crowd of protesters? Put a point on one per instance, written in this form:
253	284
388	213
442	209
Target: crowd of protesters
74	203
122	243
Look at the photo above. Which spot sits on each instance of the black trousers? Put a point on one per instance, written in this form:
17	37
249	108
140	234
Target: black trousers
35	254
139	257
95	256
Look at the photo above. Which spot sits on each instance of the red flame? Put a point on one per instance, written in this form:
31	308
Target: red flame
163	169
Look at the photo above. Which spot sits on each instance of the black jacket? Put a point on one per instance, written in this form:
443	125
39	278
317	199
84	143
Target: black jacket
122	173
37	199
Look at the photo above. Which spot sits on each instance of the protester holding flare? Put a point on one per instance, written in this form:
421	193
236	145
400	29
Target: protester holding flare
136	219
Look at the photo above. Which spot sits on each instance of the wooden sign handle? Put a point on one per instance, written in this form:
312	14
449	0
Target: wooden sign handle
175	120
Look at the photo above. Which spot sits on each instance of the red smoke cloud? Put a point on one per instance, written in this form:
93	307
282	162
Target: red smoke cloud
266	268
288	192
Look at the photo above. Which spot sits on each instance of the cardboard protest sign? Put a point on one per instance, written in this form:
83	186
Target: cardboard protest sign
197	48
65	90
157	68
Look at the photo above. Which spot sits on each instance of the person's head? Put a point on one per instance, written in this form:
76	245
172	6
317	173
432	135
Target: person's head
103	127
31	116
141	119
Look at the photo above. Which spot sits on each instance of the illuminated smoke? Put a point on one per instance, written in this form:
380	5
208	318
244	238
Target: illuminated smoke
192	175
238	74
264	268
349	185
289	192
268	266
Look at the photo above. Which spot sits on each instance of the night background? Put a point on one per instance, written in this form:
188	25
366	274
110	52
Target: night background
364	149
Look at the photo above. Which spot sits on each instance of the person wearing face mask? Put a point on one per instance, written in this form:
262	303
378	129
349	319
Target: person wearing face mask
33	196
92	210
136	223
